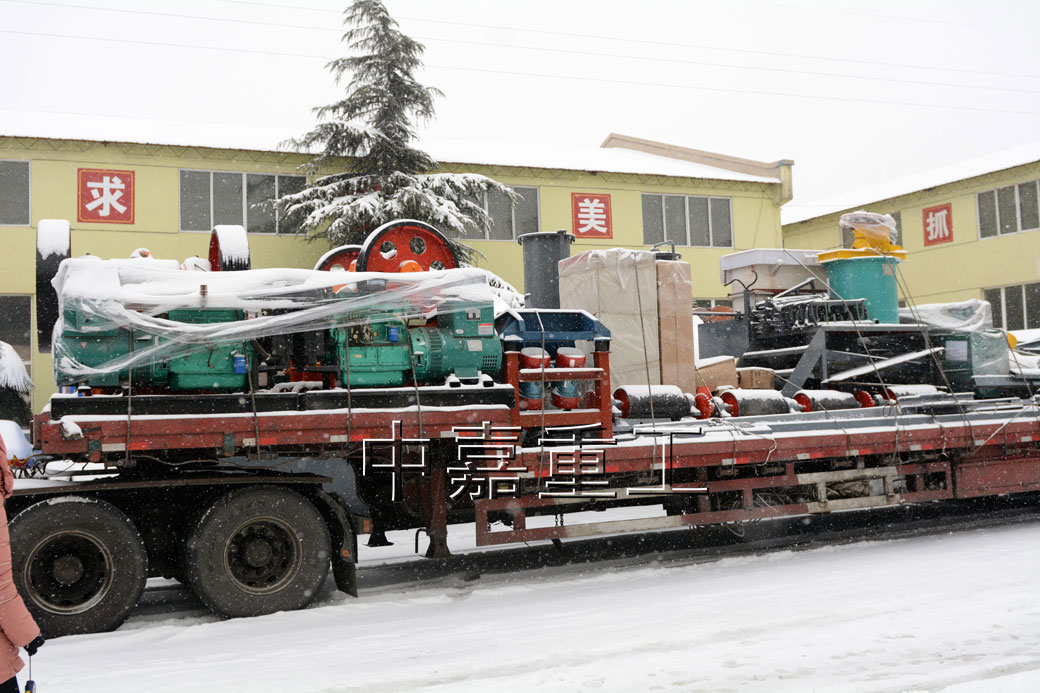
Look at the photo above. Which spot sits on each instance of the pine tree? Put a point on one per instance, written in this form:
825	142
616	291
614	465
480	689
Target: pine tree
374	126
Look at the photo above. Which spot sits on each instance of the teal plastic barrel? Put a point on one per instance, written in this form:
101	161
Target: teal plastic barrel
870	278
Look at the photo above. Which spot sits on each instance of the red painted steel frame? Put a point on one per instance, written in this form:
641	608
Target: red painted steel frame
978	459
222	435
598	415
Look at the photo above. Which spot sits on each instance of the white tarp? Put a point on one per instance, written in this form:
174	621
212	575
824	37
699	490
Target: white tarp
619	288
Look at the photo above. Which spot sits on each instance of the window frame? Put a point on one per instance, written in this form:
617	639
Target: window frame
245	199
486	233
686	219
715	302
1026	325
28	200
996	211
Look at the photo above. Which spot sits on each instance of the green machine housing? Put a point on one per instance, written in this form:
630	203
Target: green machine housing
382	350
223	366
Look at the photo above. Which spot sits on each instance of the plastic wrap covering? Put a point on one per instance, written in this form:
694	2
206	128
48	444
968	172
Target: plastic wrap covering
1027	340
619	288
102	297
967	316
990	354
877	227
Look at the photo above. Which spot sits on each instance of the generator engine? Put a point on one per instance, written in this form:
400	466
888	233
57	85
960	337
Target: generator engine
218	367
381	350
367	333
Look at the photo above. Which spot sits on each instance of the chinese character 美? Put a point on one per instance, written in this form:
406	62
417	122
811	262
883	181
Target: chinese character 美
592	214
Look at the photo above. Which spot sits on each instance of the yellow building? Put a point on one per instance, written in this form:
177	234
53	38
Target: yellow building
971	230
119	196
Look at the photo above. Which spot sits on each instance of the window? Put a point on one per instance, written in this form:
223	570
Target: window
688	220
508	221
14	193
1015	307
209	198
1010	209
709	303
16	330
847	235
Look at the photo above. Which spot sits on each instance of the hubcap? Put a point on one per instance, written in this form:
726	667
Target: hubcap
263	555
68	573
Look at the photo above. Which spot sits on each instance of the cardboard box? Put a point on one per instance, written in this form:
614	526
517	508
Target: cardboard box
756	378
675	328
716	372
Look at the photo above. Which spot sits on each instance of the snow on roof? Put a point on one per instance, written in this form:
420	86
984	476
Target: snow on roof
793	212
245	136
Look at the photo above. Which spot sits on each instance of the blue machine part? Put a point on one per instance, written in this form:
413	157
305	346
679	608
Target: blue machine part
562	328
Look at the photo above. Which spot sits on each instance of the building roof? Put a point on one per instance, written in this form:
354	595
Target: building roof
258	138
897	187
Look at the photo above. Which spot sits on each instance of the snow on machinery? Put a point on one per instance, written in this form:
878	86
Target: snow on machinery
224	416
235	490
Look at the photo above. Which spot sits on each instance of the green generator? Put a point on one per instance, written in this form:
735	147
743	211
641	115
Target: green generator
463	343
383	350
378	350
213	367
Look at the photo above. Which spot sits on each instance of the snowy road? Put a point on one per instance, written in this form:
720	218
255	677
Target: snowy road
952	612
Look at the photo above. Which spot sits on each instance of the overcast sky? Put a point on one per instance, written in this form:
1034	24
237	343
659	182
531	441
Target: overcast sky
854	92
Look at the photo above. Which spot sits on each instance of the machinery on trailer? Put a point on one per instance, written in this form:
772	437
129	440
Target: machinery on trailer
238	429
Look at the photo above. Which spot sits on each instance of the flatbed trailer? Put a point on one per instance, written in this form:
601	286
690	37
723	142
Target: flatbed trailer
153	483
755	468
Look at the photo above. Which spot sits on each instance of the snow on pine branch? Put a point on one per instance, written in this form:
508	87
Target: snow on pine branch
12	370
344	207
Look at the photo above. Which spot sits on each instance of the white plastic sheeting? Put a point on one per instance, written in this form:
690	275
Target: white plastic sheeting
881	227
619	288
134	294
967	316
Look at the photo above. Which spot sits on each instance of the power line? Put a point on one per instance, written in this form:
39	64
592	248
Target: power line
163	44
750	51
225	49
886	17
174	15
513	29
728	90
733	66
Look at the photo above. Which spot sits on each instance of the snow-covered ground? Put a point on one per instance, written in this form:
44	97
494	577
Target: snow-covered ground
947	612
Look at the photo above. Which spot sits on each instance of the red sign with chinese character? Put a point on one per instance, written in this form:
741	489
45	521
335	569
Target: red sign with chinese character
590	215
938	224
106	196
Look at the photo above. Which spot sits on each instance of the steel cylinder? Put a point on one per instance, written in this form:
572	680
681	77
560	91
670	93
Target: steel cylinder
652	402
826	400
755	402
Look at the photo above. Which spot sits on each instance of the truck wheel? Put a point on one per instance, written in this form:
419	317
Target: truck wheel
258	550
79	563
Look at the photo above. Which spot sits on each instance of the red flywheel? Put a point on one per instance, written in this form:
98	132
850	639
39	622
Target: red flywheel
338	258
405	245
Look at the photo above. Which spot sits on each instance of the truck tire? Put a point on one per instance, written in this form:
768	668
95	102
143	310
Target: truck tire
79	563
258	550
